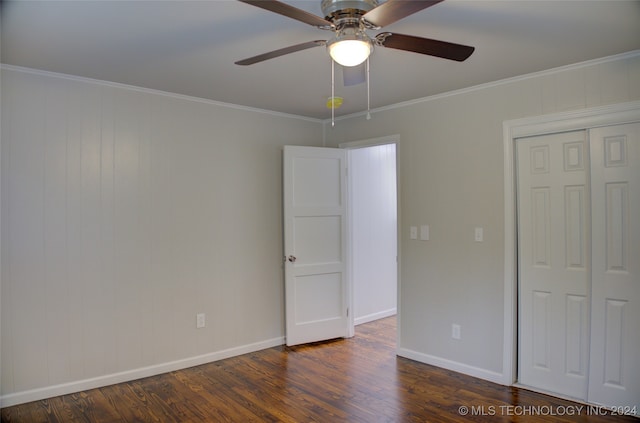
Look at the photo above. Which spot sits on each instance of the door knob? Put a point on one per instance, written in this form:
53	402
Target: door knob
292	259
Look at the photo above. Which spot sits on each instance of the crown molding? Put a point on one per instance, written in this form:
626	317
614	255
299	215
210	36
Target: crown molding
607	59
154	92
574	66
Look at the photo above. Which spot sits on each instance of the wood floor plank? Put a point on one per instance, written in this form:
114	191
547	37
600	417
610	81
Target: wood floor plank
347	380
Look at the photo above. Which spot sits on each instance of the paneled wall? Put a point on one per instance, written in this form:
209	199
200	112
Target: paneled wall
126	212
451	178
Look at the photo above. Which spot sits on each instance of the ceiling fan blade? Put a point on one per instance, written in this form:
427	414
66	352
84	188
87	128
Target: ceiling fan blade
394	10
290	12
451	51
280	52
354	75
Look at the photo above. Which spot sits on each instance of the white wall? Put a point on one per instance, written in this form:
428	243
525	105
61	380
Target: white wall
124	213
451	178
372	201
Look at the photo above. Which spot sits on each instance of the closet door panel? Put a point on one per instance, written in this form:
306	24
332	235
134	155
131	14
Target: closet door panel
615	322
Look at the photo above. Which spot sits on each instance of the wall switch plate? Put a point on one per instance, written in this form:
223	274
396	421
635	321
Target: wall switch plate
424	232
479	235
200	320
455	331
413	232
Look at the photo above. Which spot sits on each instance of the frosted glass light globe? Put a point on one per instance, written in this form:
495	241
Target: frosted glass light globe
350	52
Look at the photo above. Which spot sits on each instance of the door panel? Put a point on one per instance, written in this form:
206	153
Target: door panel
315	227
317	239
615	322
553	227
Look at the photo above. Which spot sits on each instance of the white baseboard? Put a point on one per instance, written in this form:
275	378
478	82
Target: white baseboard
466	369
129	375
375	316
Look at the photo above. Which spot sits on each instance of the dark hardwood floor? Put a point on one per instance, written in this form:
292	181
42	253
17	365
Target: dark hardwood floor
353	380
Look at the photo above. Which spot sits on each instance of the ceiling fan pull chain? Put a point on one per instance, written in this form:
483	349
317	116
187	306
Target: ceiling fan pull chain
333	94
368	93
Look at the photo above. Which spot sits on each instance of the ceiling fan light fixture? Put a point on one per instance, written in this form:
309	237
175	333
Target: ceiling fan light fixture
350	47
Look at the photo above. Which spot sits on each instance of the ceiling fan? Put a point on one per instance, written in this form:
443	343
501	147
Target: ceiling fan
350	20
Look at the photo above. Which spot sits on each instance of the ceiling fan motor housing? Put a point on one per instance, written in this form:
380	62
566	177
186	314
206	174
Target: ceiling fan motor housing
336	10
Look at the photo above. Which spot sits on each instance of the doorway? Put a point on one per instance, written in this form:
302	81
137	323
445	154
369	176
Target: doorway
318	240
373	216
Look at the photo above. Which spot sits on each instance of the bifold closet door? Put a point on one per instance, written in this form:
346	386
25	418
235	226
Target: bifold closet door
579	264
553	247
614	377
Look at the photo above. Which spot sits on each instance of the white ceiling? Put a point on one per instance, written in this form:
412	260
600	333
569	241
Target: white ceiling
189	47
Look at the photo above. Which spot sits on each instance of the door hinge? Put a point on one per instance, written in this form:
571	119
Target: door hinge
347	311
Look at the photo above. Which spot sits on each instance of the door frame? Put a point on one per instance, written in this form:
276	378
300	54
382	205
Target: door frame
371	142
583	119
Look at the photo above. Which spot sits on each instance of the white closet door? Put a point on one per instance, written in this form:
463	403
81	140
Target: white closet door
553	207
615	322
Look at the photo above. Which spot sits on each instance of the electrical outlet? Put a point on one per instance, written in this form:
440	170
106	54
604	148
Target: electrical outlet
455	331
200	320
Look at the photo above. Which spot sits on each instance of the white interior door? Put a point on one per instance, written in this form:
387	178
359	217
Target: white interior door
615	322
315	244
553	228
